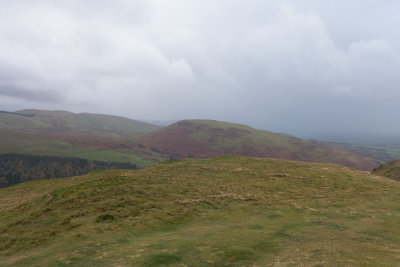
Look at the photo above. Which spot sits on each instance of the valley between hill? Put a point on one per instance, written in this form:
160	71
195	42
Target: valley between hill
223	211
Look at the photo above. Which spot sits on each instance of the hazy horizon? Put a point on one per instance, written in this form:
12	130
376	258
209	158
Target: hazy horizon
301	67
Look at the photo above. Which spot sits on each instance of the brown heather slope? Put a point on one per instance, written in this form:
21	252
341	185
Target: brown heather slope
202	138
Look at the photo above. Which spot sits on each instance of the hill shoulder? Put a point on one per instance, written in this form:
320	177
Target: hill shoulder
390	170
58	121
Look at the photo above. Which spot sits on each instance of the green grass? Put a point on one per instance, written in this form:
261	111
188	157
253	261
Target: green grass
93	124
14	142
15	121
104	155
66	134
225	211
390	170
105	218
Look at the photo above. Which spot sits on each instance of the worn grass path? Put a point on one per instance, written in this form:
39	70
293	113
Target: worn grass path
224	211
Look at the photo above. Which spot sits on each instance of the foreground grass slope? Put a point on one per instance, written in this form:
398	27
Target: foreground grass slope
224	211
203	138
390	170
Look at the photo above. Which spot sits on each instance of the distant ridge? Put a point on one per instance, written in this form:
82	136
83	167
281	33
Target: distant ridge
108	137
44	121
19	114
206	138
66	134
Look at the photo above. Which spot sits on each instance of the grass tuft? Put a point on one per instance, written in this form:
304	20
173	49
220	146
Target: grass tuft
163	259
105	218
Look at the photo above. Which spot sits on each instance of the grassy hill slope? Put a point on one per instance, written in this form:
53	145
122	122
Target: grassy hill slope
46	122
65	134
201	138
390	170
224	211
25	143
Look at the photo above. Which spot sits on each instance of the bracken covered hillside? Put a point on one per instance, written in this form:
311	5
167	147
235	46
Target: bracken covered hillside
201	138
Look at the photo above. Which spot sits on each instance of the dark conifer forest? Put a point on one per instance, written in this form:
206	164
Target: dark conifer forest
18	168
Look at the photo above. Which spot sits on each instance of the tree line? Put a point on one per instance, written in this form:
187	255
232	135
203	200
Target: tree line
18	168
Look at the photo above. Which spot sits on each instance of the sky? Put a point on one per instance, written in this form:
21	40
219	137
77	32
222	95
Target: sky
300	67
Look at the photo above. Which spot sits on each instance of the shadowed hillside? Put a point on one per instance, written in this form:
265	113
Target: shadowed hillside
201	138
19	168
225	211
390	170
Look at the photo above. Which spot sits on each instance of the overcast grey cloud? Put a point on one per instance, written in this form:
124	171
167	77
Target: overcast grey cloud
299	66
36	95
